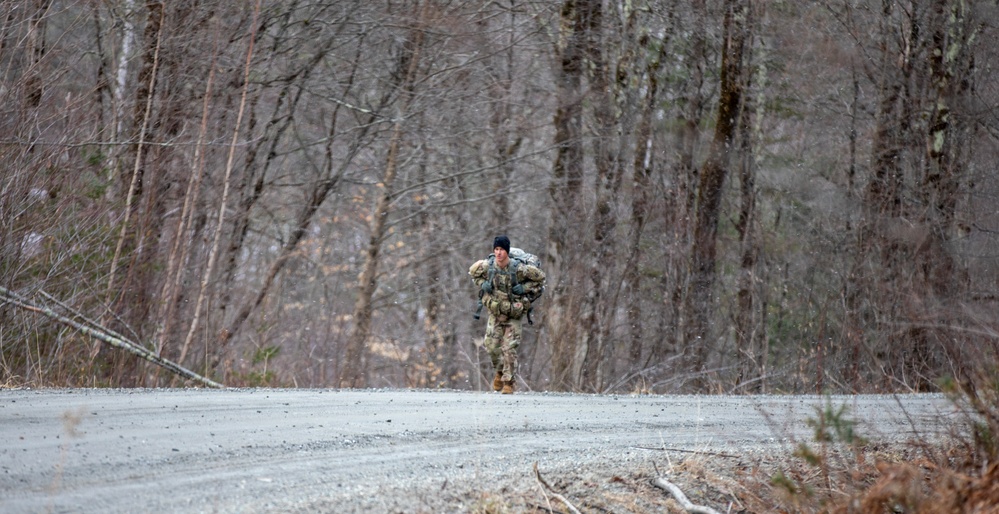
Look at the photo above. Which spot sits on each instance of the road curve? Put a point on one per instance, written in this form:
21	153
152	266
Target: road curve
294	450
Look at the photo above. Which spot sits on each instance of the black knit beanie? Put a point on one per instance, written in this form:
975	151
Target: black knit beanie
502	242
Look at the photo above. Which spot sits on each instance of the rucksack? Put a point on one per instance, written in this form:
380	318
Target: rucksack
517	257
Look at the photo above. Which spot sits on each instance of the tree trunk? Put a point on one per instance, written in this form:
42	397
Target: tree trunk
590	358
712	178
941	281
679	196
643	167
562	314
129	295
746	324
185	234
207	273
883	205
33	85
254	174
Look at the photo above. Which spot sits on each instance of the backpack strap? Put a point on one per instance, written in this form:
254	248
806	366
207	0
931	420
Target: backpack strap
492	270
510	270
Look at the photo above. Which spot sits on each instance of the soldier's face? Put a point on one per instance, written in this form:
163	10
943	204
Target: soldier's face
501	254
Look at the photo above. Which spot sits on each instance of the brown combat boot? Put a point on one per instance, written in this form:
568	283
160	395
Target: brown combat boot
498	381
508	387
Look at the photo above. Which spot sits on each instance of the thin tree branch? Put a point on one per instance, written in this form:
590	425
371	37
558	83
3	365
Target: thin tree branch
180	252
559	497
213	253
78	314
698	452
668	486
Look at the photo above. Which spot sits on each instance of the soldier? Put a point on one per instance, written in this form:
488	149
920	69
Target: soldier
507	287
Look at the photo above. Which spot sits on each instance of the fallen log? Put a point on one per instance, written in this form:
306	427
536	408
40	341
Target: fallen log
105	335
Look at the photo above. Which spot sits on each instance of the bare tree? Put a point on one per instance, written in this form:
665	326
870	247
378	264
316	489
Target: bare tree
699	337
751	361
565	192
408	68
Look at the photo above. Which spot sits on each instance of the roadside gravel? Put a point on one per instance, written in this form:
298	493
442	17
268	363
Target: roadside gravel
294	450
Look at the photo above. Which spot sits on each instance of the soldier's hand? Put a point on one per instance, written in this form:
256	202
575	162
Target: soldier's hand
518	290
487	287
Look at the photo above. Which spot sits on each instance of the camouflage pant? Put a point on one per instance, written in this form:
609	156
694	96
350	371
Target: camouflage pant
502	340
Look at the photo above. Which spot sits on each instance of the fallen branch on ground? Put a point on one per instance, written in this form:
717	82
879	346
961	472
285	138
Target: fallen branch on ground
559	497
662	483
702	452
105	335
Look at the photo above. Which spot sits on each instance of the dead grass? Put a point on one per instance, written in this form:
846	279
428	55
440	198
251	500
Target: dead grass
898	479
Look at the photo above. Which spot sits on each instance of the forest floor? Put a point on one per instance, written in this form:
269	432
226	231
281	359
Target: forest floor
425	451
728	484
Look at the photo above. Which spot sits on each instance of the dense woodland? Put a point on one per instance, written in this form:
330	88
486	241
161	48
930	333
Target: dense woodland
727	195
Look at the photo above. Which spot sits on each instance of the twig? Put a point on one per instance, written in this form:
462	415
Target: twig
668	486
533	506
541	485
701	452
559	497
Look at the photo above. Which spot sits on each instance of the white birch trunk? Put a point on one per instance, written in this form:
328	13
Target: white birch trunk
121	82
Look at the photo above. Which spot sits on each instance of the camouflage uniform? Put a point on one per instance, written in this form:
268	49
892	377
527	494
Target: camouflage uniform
506	310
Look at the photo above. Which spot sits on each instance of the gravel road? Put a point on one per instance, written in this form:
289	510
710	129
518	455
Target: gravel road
293	450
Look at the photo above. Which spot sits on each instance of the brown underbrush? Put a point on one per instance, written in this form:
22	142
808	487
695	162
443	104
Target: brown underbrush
905	478
838	472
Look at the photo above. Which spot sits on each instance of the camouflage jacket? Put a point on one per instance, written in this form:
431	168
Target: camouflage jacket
502	301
